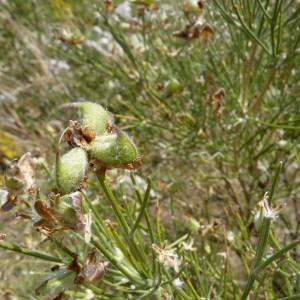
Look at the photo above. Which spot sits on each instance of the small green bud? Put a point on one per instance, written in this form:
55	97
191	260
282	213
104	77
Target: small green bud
114	149
12	181
71	169
172	87
94	116
284	145
192	224
193	6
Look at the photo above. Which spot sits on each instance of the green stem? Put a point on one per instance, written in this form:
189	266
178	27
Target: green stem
249	31
264	10
294	297
275	182
113	203
98	223
138	194
277	255
262	241
136	265
149	227
112	259
25	251
143	208
263	91
247	76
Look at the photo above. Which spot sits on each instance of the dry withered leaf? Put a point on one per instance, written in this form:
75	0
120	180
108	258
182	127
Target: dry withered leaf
218	102
101	168
76	204
88	134
206	31
108	5
74	265
44	211
27	165
75	136
131	166
143	7
92	270
64	213
209	229
19	177
194	30
67	277
69	34
23	215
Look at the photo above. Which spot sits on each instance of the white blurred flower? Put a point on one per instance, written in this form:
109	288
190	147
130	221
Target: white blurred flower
222	254
230	236
177	283
268	212
57	65
167	257
189	246
124	11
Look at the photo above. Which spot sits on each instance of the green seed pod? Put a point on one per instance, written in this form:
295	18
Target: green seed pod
193	6
284	145
68	210
61	281
94	116
192	224
114	149
71	169
172	87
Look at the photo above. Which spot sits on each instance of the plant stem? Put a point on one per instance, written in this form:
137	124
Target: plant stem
112	259
25	251
262	241
247	76
113	203
278	255
143	208
263	91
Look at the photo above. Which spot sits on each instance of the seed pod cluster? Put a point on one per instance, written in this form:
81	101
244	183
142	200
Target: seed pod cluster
98	139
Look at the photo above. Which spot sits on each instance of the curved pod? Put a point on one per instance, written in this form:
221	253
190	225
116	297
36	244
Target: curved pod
114	149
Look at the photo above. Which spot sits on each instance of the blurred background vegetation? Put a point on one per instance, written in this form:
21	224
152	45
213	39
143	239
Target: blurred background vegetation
210	94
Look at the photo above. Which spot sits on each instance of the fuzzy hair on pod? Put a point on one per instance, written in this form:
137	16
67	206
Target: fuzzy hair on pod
93	115
114	149
71	169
